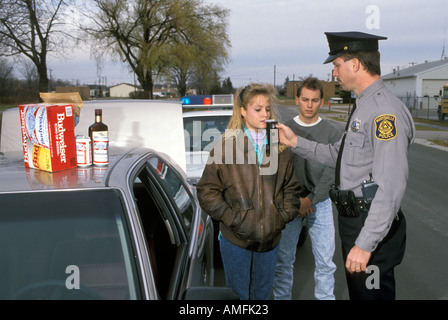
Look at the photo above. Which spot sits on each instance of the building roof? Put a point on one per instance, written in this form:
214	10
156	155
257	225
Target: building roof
416	70
124	84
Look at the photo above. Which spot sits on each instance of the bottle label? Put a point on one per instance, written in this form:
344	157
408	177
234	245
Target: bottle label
96	134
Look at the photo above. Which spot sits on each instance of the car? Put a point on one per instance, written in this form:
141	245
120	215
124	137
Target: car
336	100
211	101
202	131
130	230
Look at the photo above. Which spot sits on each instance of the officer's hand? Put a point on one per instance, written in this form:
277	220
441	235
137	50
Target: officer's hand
357	260
286	135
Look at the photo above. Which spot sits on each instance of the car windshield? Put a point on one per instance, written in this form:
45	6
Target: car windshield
201	133
65	245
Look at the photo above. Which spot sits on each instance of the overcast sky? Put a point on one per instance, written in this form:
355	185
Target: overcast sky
274	39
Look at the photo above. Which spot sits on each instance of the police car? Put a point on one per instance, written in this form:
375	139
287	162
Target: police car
130	230
203	128
212	101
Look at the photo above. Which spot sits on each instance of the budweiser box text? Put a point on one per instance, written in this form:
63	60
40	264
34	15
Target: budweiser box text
48	136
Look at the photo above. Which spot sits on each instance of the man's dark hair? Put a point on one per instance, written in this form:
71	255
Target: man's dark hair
370	60
311	83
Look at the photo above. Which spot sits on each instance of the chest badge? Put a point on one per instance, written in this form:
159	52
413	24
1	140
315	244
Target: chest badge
386	127
355	125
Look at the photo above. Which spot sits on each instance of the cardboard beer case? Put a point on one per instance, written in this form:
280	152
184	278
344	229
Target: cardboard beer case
48	136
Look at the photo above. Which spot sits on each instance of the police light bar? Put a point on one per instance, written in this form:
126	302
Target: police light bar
208	101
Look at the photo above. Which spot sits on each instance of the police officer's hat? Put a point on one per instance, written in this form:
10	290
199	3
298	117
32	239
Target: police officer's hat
343	42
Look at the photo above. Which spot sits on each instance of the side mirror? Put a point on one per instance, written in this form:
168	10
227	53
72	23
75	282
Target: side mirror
210	293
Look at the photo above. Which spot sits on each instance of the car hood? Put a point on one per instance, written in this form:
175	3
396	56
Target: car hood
131	123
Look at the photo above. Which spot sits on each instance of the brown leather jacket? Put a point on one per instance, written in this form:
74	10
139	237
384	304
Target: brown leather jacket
252	203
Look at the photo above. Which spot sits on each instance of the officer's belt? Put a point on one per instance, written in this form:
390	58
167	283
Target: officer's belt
347	204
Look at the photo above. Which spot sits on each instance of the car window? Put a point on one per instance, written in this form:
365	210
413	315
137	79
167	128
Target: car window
201	133
161	234
177	190
65	245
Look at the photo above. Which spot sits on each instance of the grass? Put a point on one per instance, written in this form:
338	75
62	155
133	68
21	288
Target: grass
426	128
443	143
432	122
5	107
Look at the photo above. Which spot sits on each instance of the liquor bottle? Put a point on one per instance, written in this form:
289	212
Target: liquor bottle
99	135
98	128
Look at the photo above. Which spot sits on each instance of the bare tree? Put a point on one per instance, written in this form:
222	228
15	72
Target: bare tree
33	28
143	33
5	78
29	72
203	54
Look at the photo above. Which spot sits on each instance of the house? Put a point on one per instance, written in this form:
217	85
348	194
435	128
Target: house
123	90
421	80
165	90
98	91
331	88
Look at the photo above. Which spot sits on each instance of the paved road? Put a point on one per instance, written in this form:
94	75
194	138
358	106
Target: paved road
423	275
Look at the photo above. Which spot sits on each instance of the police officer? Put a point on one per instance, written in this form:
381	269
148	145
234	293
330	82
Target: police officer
374	147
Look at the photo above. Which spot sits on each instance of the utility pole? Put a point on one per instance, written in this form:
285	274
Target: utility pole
274	74
443	48
293	84
49	83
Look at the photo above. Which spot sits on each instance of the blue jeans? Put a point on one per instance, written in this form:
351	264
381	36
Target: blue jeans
321	230
249	273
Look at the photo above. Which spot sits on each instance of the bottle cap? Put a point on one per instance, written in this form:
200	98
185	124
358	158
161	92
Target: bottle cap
98	112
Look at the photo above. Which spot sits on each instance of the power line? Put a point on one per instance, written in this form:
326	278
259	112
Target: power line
443	48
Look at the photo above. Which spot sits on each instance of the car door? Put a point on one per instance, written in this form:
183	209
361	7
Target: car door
187	218
167	212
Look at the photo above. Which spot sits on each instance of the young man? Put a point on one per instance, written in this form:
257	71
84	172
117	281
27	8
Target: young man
316	205
371	224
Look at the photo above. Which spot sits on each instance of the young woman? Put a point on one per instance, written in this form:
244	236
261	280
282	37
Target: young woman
252	192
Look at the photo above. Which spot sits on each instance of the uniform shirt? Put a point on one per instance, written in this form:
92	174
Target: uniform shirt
315	178
380	132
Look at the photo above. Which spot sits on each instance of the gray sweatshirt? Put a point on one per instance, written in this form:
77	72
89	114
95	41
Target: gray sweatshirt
315	178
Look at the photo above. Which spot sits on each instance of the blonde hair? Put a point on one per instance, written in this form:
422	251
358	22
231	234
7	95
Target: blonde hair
243	97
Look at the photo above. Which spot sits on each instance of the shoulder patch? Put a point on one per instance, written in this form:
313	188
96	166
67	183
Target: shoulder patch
386	127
